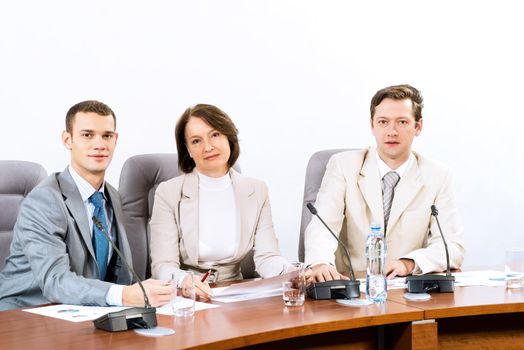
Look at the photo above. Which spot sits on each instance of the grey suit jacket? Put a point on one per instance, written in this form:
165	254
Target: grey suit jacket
52	259
350	199
174	229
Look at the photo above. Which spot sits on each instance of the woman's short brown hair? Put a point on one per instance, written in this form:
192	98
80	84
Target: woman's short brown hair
218	120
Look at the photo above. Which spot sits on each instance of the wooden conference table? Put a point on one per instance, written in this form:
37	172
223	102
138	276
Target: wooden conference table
472	317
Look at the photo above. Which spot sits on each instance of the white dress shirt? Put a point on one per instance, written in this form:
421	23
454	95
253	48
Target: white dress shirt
383	168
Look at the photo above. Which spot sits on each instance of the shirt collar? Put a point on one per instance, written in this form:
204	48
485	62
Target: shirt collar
84	187
383	168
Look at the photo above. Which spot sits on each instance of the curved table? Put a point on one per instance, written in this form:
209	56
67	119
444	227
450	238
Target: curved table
472	317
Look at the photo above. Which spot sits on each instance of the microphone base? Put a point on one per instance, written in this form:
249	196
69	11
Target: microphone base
338	289
133	318
430	283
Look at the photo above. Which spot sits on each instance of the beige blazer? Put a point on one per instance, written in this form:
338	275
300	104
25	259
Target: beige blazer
350	199
174	229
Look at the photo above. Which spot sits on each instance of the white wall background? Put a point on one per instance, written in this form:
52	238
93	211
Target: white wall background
295	76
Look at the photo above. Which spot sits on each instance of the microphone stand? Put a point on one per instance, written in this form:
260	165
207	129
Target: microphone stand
338	289
136	317
430	283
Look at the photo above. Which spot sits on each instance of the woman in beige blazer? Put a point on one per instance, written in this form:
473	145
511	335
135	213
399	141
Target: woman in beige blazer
211	217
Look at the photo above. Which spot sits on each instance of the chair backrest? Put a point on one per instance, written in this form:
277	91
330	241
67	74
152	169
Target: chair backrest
315	170
17	179
139	178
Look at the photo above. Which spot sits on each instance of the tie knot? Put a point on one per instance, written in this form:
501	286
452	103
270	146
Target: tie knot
97	199
391	179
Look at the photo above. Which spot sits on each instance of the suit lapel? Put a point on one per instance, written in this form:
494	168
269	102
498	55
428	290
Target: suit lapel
407	188
75	205
247	209
119	219
188	216
369	183
122	242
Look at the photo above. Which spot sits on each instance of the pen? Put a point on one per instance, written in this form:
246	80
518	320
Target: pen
206	275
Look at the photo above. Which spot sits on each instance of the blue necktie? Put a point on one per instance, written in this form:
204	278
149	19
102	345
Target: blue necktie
99	239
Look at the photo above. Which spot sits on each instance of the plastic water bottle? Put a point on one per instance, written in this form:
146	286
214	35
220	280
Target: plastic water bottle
376	284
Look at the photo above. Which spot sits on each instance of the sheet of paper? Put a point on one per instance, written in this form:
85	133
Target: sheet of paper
259	288
168	310
74	313
80	313
242	297
490	278
395	283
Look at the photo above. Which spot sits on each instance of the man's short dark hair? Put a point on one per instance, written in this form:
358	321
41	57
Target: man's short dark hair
399	92
97	107
218	120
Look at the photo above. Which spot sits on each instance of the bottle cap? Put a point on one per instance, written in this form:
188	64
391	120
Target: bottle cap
375	226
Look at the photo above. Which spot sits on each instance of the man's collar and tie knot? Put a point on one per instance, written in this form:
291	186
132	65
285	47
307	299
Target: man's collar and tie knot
97	199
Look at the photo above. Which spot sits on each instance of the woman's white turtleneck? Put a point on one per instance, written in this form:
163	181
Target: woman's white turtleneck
217	219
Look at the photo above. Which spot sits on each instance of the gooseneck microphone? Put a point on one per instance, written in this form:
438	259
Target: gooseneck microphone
314	211
339	288
434	212
136	317
429	283
99	225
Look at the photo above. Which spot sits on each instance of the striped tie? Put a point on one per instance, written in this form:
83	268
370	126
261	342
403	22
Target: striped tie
389	181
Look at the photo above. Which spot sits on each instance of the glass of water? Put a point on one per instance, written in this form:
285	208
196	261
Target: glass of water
294	285
183	302
514	268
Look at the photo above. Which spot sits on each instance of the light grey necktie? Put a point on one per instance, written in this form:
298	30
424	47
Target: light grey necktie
389	181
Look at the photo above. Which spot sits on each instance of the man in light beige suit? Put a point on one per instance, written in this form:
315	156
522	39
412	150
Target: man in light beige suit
351	195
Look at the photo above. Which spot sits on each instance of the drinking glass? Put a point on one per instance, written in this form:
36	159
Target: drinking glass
294	285
183	302
514	268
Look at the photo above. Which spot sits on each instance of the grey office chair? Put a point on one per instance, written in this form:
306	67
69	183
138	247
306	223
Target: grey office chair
139	178
17	179
315	170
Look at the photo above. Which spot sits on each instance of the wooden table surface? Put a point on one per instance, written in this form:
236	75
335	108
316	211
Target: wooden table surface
231	325
476	317
472	315
466	301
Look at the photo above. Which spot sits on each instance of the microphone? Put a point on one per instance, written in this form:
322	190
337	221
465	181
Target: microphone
429	283
135	317
338	289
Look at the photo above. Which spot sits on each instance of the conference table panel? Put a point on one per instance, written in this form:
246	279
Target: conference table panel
466	301
264	320
474	317
492	331
231	325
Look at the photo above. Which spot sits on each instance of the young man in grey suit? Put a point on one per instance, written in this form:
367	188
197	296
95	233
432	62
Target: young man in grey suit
57	254
390	185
